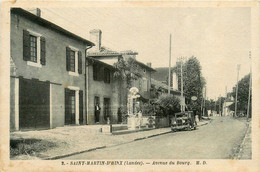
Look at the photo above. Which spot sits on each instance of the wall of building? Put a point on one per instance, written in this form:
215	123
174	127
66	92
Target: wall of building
55	68
58	105
102	90
12	104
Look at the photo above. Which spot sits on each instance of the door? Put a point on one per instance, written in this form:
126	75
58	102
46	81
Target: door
70	106
107	109
97	108
34	104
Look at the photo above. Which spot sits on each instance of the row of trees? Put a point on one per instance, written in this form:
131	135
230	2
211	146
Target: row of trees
242	99
193	82
242	96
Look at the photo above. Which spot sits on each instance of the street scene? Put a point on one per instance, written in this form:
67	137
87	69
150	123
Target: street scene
130	83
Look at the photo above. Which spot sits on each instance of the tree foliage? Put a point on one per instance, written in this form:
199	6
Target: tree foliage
242	96
167	104
126	70
193	81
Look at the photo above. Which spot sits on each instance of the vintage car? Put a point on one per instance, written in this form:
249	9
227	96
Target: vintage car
183	120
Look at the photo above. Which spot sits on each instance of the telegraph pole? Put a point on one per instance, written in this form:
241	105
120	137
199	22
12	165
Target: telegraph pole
169	77
204	101
219	108
250	86
225	101
182	105
238	68
215	107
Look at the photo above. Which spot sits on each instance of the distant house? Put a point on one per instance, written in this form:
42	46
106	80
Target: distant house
160	88
160	83
47	87
162	74
226	106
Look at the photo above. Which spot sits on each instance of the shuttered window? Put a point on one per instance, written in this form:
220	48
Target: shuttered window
100	73
95	71
73	60
106	75
34	48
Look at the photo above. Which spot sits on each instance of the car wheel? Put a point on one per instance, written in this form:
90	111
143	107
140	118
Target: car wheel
189	127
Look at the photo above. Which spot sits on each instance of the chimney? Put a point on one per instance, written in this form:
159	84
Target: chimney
149	64
35	11
95	37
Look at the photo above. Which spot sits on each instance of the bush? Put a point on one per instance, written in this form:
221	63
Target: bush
167	104
28	146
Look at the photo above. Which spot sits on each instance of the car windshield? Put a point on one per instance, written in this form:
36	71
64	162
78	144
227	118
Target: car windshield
180	115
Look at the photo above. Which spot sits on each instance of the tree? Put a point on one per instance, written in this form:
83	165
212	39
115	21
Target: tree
126	72
168	104
193	82
242	96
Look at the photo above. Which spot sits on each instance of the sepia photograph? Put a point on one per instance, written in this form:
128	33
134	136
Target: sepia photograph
131	85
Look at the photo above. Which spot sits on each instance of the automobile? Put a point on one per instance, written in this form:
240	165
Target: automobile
183	121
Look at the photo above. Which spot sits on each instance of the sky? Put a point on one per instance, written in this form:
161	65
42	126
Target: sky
218	36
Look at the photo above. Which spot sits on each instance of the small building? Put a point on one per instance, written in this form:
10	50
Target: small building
47	74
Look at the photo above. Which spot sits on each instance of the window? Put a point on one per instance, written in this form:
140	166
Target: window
73	61
144	84
34	49
98	72
95	72
72	102
107	75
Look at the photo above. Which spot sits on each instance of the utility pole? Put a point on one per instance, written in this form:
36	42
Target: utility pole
169	77
250	86
225	101
238	68
204	101
182	103
219	108
215	107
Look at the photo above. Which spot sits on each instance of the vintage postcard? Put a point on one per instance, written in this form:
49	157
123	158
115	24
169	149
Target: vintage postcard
132	86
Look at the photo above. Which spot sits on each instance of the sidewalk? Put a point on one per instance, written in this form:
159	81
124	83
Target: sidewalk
246	146
77	139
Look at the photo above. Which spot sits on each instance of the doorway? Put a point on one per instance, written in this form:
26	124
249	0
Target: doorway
107	109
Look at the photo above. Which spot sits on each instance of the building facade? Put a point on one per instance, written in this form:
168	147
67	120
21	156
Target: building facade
115	92
47	74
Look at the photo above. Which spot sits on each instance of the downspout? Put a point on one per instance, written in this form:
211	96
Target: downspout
86	84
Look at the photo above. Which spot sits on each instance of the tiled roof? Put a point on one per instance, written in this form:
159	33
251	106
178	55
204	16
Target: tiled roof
104	51
48	24
107	52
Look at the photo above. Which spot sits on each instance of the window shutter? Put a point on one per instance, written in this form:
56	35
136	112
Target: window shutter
67	58
43	51
101	73
26	45
67	112
95	71
80	107
80	62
